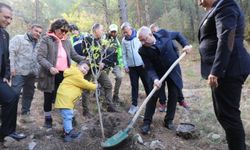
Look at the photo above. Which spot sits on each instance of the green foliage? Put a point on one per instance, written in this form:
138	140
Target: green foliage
82	19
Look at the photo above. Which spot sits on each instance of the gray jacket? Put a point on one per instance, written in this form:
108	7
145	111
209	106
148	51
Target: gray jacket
23	55
47	58
131	57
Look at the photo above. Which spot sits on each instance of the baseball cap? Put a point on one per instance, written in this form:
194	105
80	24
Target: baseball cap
113	27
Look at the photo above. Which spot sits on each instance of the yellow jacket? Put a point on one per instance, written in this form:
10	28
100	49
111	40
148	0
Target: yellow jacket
70	90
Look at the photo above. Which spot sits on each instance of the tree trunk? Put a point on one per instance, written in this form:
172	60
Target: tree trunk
192	25
37	11
138	12
106	11
165	3
123	11
146	8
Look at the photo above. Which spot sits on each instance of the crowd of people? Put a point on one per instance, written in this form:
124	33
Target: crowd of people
68	64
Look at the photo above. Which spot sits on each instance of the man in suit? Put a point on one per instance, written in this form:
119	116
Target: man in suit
162	96
225	64
158	55
8	98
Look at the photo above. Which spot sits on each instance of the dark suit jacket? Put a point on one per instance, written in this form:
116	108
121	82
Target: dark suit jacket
221	41
161	56
4	49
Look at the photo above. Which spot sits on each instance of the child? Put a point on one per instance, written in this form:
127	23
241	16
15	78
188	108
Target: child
68	93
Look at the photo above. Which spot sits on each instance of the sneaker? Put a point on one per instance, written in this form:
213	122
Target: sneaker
162	108
184	104
73	134
48	123
133	109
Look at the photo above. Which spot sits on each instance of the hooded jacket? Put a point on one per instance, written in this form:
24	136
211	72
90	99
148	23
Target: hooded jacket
70	90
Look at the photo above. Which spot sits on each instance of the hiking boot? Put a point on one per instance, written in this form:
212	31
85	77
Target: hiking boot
184	104
111	108
133	109
87	114
48	123
162	108
73	134
26	118
145	128
74	122
117	100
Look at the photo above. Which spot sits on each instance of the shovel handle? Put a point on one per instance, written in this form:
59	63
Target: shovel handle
153	91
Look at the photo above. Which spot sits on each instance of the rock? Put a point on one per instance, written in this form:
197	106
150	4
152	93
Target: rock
156	145
83	128
137	139
187	131
8	141
49	136
215	138
32	145
32	136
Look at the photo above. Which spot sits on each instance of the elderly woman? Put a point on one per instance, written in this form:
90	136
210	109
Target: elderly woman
54	55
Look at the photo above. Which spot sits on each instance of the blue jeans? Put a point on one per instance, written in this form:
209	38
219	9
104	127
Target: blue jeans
26	83
67	115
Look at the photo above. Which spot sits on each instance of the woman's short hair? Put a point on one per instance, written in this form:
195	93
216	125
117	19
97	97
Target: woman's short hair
58	24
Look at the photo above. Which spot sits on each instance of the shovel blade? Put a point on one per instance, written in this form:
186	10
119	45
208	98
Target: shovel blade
115	139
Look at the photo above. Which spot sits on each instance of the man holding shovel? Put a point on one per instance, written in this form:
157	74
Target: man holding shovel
158	55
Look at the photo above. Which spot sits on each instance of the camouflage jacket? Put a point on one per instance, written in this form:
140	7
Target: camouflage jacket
23	55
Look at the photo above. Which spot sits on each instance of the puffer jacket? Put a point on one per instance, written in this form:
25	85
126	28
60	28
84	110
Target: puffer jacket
70	90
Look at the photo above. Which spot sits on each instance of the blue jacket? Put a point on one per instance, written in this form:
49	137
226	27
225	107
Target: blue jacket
220	37
161	56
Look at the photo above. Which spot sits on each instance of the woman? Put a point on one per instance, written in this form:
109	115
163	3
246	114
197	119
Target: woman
54	54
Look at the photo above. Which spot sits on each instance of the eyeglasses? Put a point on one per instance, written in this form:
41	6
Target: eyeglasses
64	31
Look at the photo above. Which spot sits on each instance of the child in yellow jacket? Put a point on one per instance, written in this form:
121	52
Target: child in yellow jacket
68	93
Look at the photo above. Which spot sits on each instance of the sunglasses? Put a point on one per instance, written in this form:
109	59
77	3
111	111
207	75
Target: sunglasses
64	31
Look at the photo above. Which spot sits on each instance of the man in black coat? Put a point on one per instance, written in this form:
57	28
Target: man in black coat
225	64
158	55
8	98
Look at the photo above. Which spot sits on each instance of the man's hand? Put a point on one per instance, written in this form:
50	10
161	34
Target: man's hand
187	49
13	72
126	70
53	71
101	65
157	83
6	81
212	80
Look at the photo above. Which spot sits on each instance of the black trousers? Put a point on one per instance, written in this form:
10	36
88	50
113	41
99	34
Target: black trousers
134	74
49	98
163	97
226	100
171	104
8	102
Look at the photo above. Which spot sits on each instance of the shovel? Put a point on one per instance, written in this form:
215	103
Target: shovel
123	134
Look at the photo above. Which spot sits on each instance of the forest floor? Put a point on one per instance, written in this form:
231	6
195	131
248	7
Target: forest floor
201	114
